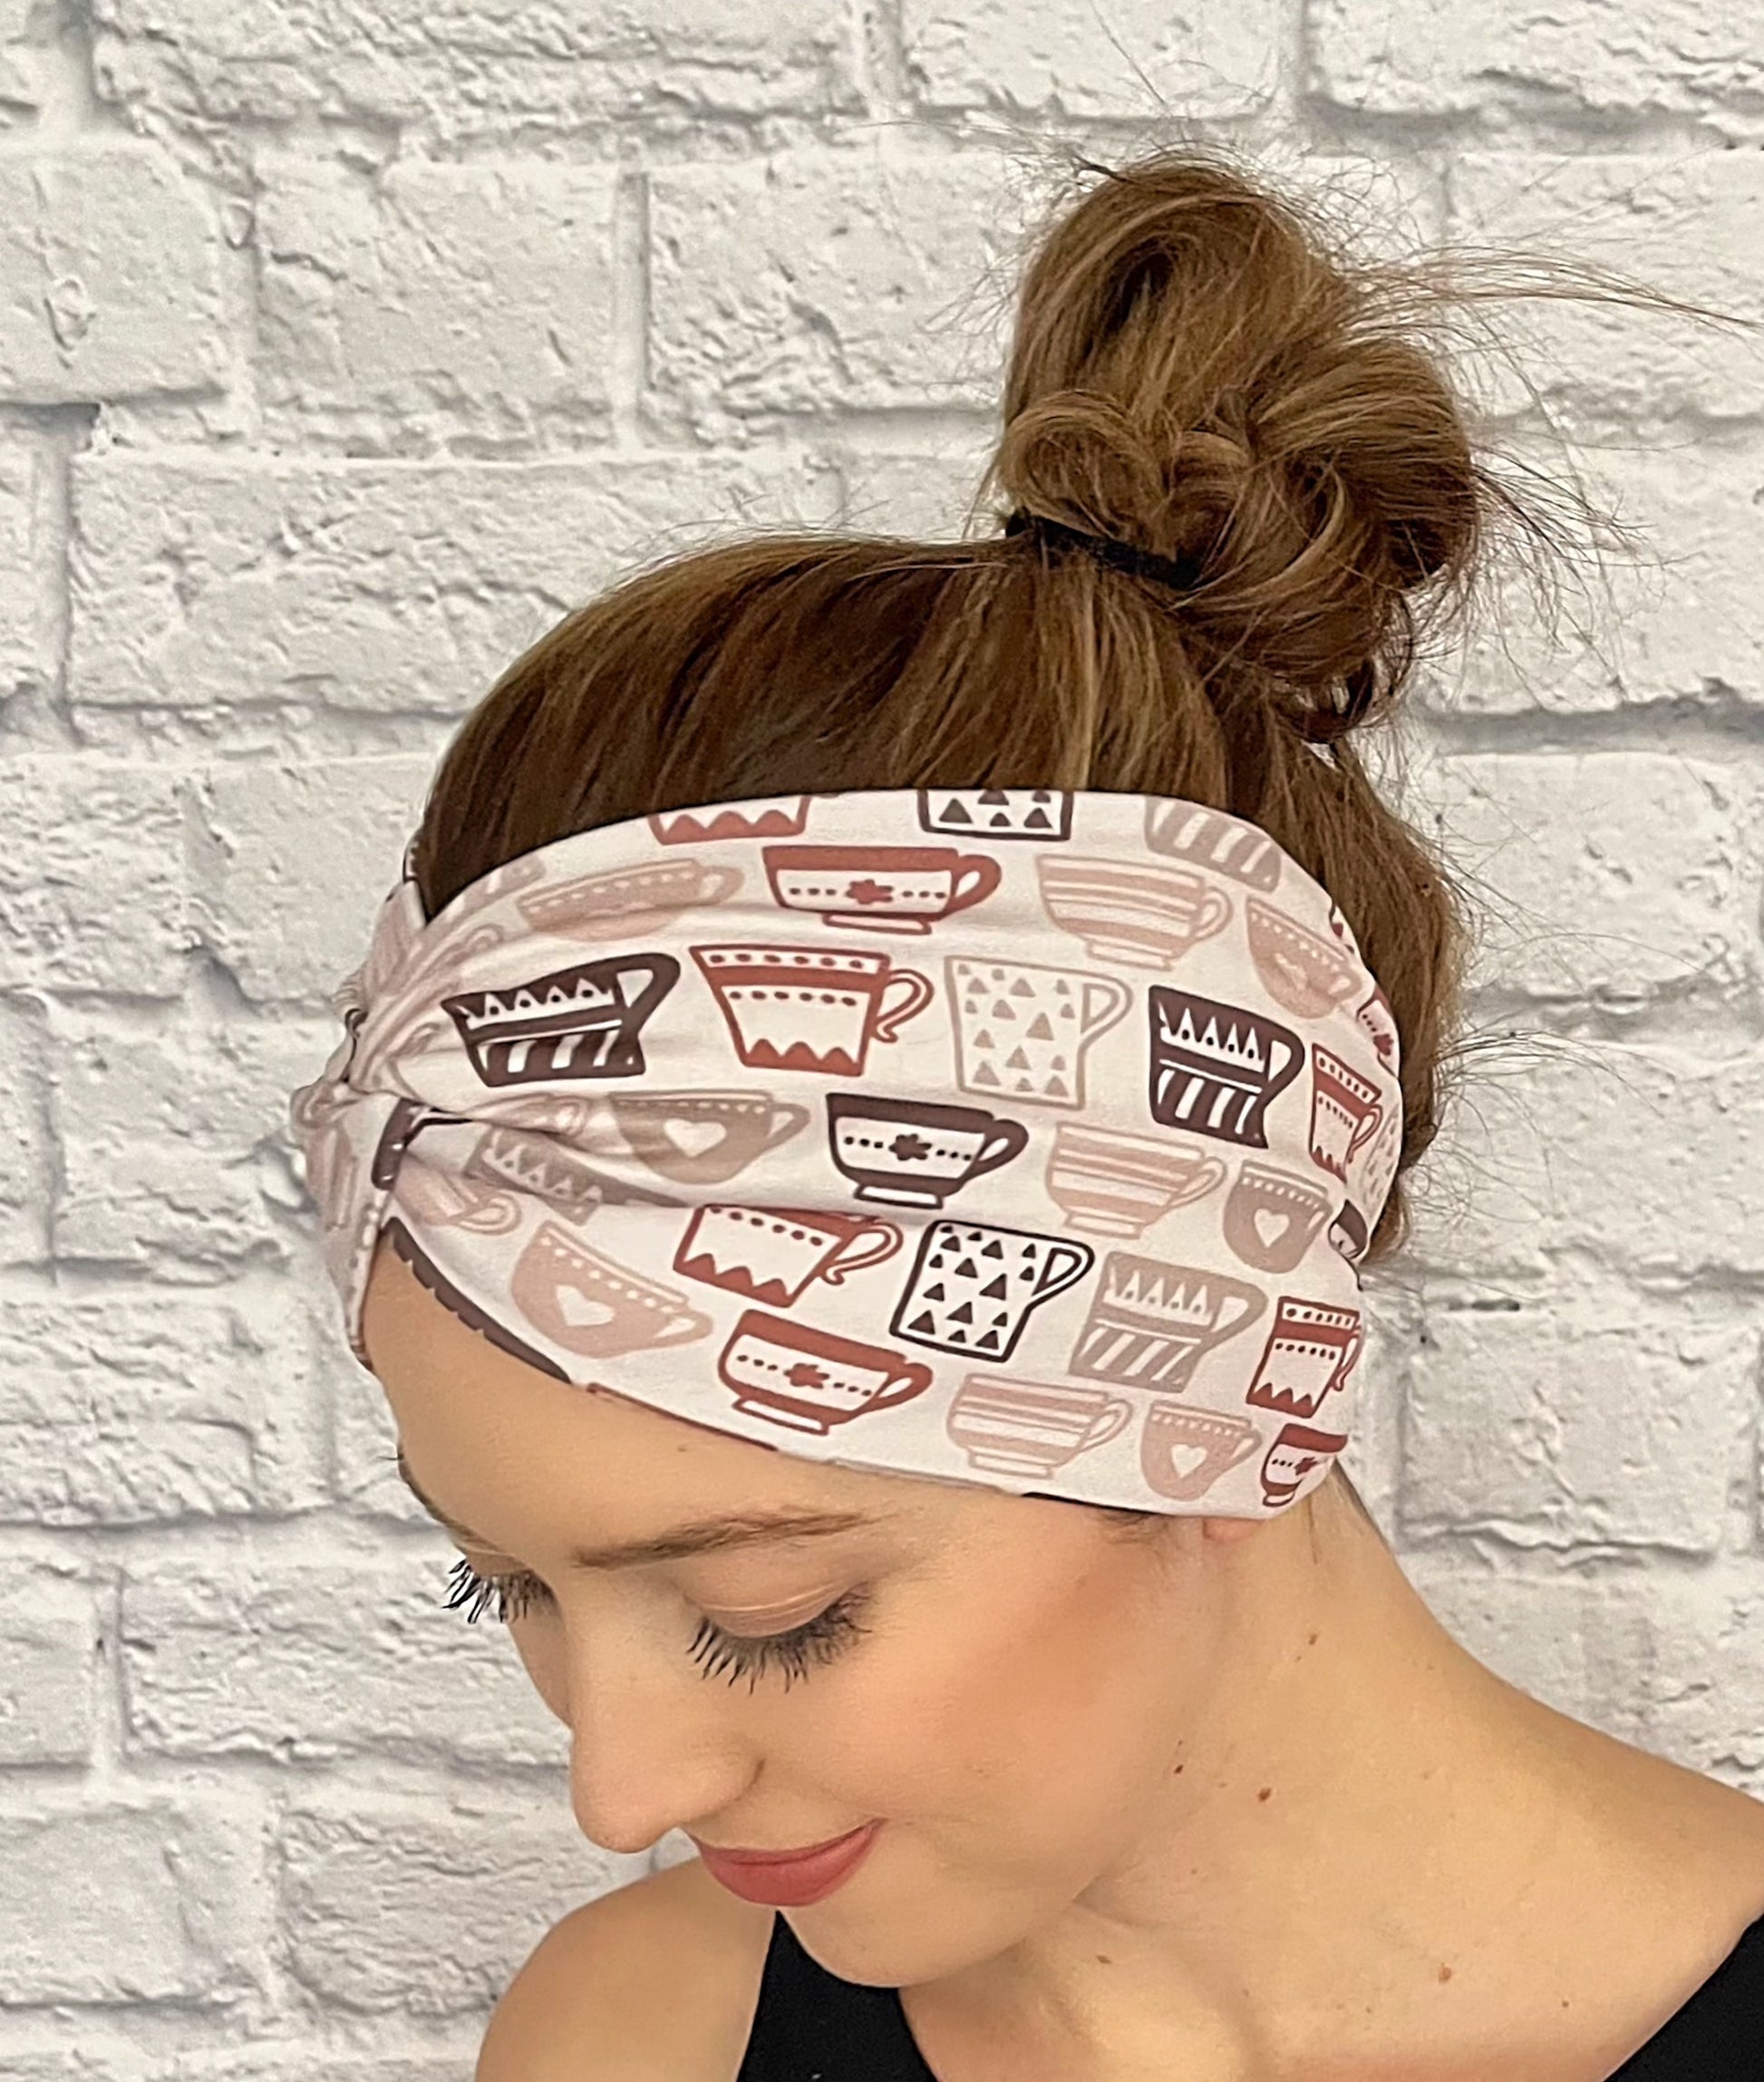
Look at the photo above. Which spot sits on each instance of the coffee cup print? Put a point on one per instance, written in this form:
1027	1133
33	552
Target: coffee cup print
581	1021
1371	1173
1147	916
590	1304
1184	1449
810	1008
455	1300
1345	1110
1216	1068
1013	1427
541	1168
974	1286
1022	1028
1297	1461
1151	1323
765	817
771	1254
1381	1022
435	1199
1113	1184
1272	1216
1310	1353
627	902
703	1137
806	1380
882	888
1210	838
913	1153
990	813
1306	974
1348	1232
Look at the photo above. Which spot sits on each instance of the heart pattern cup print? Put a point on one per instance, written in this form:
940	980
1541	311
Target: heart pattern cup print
1020	1137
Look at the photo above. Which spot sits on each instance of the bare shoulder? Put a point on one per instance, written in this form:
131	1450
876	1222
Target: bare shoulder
656	1982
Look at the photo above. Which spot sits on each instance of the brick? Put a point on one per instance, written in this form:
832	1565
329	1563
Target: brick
48	1659
1685	224
1671	620
176	1151
369	586
1589	1415
1699	1685
435	303
1213	62
287	915
19	601
25	59
130	1902
1613	875
1645	1158
124	1408
811	280
404	1906
245	1658
93	881
521	69
26	1182
287	2060
109	260
1429	57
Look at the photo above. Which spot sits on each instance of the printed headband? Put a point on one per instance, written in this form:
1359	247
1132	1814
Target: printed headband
1004	1136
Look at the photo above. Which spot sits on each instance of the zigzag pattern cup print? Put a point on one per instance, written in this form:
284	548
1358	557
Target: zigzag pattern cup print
1019	1136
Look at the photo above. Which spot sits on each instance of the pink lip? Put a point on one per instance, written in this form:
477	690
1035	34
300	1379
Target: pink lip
789	1879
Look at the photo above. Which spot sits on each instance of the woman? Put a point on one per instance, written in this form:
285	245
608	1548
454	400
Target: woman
1139	1755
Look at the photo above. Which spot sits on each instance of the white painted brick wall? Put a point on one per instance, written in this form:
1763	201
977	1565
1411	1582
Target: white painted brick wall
344	347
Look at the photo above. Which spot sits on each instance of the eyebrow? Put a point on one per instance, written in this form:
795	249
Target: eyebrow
697	1536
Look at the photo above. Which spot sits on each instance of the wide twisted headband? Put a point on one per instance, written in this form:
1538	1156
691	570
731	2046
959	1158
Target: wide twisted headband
1012	1137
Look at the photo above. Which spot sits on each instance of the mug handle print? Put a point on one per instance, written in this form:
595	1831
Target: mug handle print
1122	997
913	1380
1368	1127
1082	1257
690	1324
785	1126
889	1019
1007	1141
987	872
888	1236
1212	913
1344	1365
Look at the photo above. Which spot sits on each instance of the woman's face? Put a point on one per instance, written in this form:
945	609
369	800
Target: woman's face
1015	1707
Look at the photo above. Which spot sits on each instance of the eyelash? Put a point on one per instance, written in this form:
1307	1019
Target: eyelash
823	1638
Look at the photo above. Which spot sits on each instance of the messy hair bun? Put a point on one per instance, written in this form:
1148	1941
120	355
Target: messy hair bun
1238	487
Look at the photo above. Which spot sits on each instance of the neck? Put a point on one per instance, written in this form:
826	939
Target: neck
1364	1812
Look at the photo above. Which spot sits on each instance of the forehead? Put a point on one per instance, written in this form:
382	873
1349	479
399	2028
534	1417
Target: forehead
468	1410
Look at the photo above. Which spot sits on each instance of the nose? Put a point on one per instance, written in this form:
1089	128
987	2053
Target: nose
646	1755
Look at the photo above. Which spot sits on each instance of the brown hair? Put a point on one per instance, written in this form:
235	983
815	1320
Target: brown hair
1197	371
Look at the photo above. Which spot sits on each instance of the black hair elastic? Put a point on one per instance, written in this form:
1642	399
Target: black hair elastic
1181	572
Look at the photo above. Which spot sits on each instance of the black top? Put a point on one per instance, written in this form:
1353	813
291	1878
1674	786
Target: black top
812	2027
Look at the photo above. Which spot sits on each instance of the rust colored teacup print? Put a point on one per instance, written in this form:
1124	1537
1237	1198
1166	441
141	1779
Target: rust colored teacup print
973	1285
1022	1028
1297	1461
1150	1323
1043	813
703	1137
1345	1110
627	903
1310	1353
1301	970
1216	1068
581	1021
771	1254
1015	1427
1149	916
1113	1184
1209	838
1381	1022
590	1304
810	1008
1272	1216
792	1373
765	817
882	888
909	1153
1185	1449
